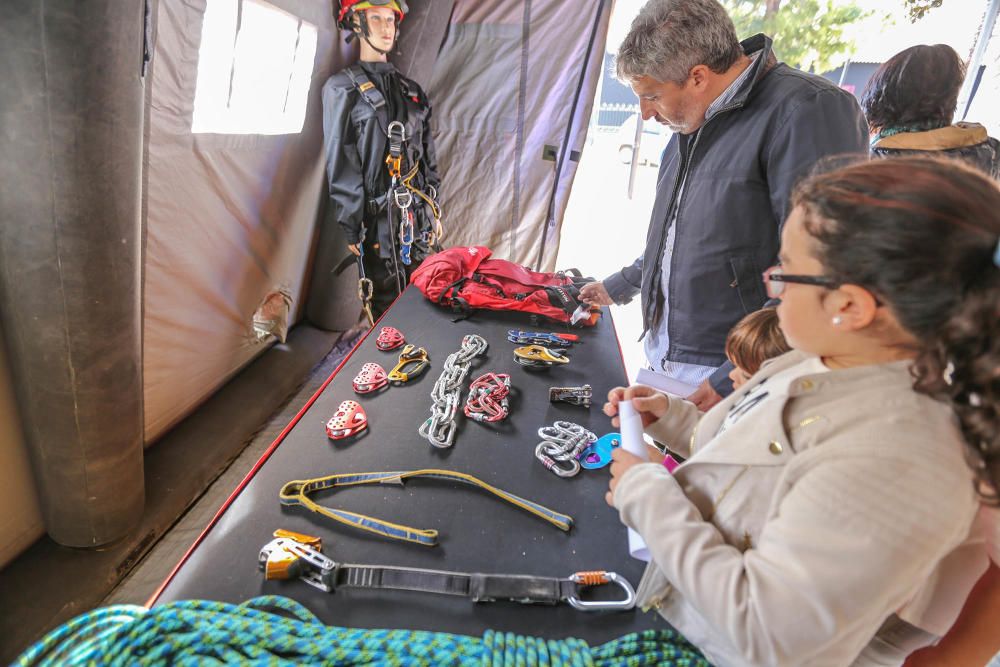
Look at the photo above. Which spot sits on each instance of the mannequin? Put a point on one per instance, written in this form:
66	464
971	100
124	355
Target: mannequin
380	158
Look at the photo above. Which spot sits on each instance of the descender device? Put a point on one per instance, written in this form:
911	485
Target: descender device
537	357
295	556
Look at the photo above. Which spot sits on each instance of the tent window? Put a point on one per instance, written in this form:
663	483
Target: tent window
254	69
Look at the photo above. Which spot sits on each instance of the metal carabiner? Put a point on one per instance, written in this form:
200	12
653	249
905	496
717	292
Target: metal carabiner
597	579
556	462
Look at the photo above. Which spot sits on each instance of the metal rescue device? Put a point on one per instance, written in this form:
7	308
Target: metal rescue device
573	395
389	338
446	396
541	338
412	362
561	447
349	419
370	378
538	357
295	556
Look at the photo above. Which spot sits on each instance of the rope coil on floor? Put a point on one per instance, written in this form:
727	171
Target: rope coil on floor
280	631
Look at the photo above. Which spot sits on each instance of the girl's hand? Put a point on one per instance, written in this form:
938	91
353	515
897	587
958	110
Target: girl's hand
648	402
621	462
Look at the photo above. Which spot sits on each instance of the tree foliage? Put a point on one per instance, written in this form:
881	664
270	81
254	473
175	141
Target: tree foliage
808	34
917	8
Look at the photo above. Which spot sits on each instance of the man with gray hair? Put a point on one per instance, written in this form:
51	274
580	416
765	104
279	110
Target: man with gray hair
746	128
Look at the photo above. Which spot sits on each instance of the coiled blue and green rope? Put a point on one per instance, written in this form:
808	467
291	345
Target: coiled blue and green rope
274	630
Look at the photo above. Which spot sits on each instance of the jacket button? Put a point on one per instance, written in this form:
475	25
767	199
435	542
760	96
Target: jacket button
775	447
806	385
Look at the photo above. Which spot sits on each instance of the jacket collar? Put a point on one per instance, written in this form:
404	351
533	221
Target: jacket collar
760	67
958	135
754	448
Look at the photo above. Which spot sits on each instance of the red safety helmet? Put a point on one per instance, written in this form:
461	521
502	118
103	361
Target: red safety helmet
347	7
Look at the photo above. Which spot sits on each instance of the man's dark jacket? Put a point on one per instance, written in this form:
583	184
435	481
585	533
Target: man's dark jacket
356	147
741	167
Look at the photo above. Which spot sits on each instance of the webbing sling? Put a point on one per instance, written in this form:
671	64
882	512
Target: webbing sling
369	91
296	492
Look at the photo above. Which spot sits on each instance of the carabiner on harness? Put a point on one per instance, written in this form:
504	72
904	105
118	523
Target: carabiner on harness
561	446
572	395
349	419
294	556
538	357
488	398
396	134
412	362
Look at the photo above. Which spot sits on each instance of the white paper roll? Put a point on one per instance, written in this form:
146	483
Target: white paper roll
632	442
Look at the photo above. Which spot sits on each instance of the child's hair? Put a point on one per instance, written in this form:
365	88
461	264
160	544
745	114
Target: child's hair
923	234
755	339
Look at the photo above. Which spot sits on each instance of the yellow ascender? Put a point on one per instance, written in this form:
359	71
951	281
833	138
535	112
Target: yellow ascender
412	362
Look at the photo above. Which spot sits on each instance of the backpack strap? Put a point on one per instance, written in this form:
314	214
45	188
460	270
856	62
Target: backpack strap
368	91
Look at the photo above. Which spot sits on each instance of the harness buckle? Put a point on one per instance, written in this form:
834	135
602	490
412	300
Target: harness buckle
586	579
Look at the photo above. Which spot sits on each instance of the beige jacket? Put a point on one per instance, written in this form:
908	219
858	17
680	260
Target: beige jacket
792	537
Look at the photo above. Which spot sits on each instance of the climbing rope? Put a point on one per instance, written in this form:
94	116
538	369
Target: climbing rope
279	631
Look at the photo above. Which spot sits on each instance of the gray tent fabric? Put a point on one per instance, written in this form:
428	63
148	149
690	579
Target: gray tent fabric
230	218
512	91
71	135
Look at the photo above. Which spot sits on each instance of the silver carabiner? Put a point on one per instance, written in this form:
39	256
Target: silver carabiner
597	579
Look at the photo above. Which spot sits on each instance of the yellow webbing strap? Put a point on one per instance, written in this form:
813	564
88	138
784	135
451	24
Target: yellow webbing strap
297	492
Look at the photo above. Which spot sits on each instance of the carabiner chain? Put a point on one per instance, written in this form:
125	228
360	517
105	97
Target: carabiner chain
440	427
561	446
488	398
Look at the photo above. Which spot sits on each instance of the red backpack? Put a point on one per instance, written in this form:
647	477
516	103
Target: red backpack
465	278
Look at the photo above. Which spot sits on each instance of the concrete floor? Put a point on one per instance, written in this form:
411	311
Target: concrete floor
153	570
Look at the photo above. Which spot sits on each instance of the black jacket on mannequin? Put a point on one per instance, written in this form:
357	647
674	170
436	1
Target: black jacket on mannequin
356	145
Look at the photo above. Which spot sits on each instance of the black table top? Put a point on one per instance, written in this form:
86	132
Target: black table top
478	532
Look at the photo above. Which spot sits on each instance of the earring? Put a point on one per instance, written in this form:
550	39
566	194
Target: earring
837	320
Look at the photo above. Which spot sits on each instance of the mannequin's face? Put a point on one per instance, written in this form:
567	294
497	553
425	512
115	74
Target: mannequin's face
382	25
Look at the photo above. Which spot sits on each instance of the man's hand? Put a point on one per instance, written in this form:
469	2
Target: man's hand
621	461
648	402
704	397
595	294
353	247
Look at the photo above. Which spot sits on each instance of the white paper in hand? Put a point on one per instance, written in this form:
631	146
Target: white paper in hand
632	442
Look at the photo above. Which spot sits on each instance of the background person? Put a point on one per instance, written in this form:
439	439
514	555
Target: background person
746	128
826	512
910	104
755	339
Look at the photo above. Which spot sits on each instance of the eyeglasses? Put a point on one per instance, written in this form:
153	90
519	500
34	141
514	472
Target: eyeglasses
775	279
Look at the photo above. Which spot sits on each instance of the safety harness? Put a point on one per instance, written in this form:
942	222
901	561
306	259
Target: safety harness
402	190
294	556
297	492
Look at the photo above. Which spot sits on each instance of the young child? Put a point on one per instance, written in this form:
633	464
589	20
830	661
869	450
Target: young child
825	513
755	339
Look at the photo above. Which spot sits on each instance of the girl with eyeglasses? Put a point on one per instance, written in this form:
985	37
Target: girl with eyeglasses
827	510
